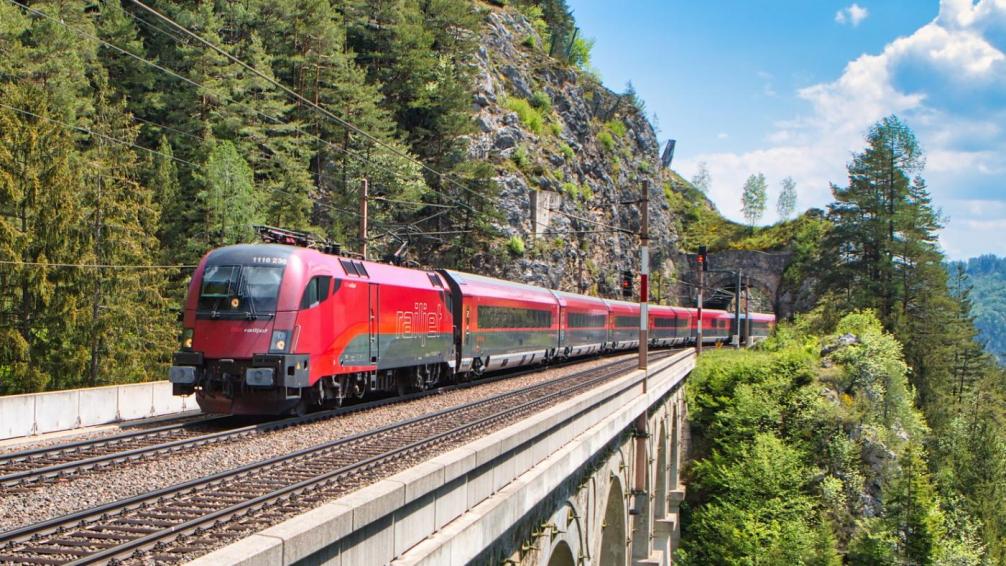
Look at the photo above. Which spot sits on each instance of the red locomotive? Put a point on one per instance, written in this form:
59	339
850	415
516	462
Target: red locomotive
272	328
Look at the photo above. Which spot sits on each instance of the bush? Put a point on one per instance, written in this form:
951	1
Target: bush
541	101
555	128
530	117
579	52
530	42
586	191
567	151
606	141
516	245
571	189
615	126
520	157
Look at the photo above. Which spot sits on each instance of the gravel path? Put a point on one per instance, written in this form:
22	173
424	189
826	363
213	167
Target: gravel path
86	490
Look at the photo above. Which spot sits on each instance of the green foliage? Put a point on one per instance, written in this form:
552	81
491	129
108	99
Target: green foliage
781	469
541	101
754	198
567	151
579	52
41	217
987	275
229	206
615	126
571	189
529	116
520	157
607	142
516	245
786	203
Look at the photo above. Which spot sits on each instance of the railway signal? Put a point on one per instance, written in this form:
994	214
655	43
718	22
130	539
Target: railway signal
627	283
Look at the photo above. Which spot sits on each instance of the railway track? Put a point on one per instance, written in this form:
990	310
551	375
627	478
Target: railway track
279	485
28	469
51	462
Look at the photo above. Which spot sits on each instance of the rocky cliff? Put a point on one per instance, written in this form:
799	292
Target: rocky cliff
571	158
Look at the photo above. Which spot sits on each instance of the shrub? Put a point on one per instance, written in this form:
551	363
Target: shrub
555	128
520	157
579	52
530	117
571	189
566	151
541	101
586	192
615	126
516	245
530	42
606	141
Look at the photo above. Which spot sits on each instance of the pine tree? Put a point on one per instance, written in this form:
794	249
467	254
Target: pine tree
229	206
129	329
40	219
754	198
173	218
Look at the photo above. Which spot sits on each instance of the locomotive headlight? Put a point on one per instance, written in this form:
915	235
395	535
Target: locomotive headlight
279	341
187	336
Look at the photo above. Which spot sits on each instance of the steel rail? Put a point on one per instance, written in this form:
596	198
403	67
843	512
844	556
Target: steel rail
93	517
26	477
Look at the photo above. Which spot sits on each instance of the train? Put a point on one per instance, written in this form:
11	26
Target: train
272	329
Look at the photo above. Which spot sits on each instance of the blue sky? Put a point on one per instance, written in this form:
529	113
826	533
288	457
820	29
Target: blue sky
788	87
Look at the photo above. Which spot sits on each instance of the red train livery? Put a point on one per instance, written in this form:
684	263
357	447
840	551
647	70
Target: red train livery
270	328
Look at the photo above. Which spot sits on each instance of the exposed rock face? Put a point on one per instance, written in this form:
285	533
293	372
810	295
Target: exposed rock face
591	147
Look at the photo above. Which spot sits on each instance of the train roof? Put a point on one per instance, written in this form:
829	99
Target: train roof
622	307
481	286
576	301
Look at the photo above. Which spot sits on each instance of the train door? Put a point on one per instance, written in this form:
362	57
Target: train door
373	326
563	325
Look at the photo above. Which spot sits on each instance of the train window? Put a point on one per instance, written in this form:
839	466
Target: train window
316	291
583	320
434	279
260	287
626	321
509	317
664	322
349	266
361	269
219	285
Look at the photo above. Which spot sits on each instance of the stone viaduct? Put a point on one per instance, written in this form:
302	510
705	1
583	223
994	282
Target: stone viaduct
595	480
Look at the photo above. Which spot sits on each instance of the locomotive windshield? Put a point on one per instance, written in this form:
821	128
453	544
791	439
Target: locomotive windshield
242	291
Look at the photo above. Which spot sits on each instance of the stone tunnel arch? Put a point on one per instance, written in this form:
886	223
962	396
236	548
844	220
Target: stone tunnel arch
723	288
562	555
612	551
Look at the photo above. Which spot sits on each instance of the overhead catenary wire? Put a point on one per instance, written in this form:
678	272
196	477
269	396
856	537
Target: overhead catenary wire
94	265
290	92
197	84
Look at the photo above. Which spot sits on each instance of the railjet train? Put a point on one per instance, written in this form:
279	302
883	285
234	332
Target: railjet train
273	329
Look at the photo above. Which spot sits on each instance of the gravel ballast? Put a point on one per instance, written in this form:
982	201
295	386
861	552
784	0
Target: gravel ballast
86	490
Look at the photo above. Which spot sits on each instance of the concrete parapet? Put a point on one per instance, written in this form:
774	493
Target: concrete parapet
446	510
38	413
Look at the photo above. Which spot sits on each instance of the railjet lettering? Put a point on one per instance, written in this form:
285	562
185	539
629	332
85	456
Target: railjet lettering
418	323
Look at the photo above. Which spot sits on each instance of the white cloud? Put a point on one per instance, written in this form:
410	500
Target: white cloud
722	136
947	80
853	15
